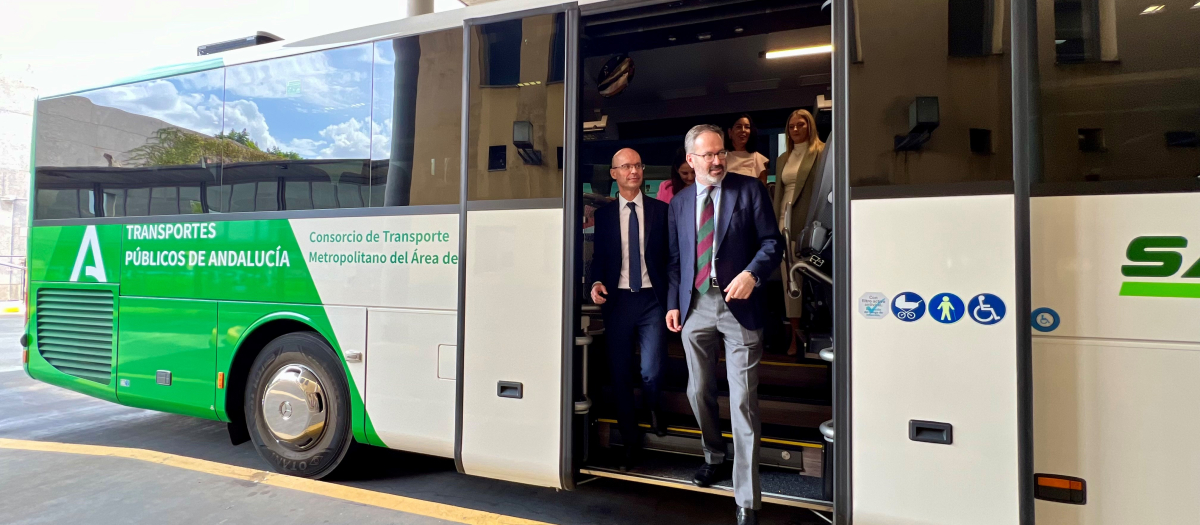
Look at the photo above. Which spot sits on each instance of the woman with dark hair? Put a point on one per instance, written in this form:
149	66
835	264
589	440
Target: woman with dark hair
682	176
741	140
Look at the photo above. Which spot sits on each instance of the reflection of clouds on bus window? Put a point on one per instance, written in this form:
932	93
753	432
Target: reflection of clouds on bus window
164	100
314	105
381	139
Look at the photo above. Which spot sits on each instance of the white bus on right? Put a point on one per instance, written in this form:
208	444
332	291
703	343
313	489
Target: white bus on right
1021	184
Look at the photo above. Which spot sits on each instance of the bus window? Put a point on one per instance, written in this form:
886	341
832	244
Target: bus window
932	95
296	121
110	148
516	110
417	132
1118	99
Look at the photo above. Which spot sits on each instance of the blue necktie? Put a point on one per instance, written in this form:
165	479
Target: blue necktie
635	250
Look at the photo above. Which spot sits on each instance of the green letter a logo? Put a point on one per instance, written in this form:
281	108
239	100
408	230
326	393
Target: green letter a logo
91	243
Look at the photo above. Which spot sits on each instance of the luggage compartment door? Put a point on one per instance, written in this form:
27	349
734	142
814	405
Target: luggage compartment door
513	371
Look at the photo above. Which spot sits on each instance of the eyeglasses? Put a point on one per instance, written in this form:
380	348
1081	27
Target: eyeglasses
630	167
708	157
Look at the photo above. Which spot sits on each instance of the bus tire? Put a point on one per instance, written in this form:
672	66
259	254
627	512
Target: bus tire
306	439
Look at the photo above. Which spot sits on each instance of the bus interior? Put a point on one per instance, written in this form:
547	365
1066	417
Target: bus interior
648	75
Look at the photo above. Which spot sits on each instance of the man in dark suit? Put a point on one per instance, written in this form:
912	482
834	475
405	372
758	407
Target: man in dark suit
629	282
724	242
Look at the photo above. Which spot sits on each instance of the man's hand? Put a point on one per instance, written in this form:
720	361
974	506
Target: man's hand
741	287
673	321
598	289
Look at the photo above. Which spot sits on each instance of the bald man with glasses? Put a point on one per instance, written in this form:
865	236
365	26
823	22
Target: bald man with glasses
629	282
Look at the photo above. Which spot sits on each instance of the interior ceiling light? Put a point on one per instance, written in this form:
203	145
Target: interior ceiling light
799	51
1154	9
704	36
738	30
1196	5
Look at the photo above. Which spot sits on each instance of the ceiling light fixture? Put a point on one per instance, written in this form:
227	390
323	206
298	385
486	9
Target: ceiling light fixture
799	51
1154	9
1196	5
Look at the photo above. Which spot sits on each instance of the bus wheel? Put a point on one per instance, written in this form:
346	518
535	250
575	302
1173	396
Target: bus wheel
298	406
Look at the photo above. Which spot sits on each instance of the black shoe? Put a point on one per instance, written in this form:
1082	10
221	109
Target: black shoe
746	516
630	459
656	425
710	473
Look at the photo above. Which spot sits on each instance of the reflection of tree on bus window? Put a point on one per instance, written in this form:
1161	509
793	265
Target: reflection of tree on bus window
742	144
682	176
793	186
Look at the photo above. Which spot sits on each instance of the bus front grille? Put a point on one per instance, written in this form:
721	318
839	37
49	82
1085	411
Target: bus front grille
75	331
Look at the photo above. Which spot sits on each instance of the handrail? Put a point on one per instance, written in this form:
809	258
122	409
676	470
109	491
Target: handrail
809	270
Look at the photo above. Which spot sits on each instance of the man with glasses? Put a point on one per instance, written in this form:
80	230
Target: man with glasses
629	282
724	241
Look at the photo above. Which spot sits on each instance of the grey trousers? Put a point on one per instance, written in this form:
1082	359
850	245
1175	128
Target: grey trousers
708	324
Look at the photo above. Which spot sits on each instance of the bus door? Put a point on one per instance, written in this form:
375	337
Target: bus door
514	361
932	397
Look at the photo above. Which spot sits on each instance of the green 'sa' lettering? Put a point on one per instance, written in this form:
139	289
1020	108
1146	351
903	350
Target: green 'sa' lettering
1166	262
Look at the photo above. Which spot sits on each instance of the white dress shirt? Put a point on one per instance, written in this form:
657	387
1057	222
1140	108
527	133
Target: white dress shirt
701	192
623	282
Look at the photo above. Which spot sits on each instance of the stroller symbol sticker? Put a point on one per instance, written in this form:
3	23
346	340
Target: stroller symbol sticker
986	308
908	307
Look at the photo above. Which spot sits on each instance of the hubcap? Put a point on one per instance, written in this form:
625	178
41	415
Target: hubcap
293	407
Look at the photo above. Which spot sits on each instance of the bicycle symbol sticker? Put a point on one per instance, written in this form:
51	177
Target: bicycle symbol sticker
908	307
986	308
946	308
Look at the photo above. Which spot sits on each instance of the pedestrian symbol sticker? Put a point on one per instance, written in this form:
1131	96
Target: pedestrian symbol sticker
986	308
1045	320
908	307
873	305
946	308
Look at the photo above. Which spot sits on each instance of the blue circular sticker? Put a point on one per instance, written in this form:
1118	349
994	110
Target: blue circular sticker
908	307
1045	319
986	308
946	308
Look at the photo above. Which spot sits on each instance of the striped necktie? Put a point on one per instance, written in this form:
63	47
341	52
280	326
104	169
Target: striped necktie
705	238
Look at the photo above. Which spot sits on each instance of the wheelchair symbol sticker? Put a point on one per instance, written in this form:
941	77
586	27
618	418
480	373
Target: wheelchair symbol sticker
986	308
908	307
946	308
873	305
1045	319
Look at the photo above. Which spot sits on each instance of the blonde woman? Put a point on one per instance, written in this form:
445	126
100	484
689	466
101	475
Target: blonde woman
793	186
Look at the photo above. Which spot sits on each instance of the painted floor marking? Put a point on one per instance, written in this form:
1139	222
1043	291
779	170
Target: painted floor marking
366	497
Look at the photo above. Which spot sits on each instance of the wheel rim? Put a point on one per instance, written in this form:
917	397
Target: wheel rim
294	407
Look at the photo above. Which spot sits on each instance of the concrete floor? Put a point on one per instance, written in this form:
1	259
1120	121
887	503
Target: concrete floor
50	487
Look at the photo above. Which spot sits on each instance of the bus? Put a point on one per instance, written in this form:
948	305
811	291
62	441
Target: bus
378	237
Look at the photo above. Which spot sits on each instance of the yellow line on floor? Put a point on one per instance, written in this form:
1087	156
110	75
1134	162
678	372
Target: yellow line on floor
322	488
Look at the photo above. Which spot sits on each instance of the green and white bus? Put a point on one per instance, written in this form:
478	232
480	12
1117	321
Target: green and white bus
379	237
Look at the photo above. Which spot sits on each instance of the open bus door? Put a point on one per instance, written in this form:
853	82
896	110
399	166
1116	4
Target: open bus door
932	267
514	364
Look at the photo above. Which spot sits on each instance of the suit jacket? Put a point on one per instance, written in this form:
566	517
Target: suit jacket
803	194
607	256
748	239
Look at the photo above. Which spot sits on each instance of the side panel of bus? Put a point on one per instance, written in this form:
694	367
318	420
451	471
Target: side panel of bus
1116	297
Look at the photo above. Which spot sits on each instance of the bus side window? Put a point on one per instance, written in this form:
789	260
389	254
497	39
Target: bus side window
147	148
417	131
300	129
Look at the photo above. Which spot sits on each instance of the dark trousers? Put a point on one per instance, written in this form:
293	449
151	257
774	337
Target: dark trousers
635	320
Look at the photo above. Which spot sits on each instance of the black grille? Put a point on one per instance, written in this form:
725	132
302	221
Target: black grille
75	331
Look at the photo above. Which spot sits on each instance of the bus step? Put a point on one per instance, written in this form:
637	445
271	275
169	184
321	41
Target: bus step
797	455
782	487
